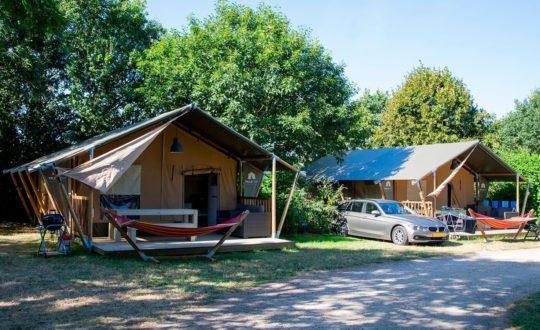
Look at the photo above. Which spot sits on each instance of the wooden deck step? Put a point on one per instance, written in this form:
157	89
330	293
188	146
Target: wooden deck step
489	232
165	248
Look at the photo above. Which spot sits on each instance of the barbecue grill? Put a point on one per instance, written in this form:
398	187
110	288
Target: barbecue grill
55	225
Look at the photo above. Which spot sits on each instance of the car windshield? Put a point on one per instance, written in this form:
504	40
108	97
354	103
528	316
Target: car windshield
393	208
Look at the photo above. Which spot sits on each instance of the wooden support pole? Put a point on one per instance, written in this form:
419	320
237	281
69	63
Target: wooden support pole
91	201
274	197
286	209
48	190
30	198
241	170
381	188
517	193
21	196
75	218
421	193
36	192
434	173
523	208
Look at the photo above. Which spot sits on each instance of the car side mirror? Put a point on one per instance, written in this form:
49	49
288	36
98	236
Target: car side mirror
376	213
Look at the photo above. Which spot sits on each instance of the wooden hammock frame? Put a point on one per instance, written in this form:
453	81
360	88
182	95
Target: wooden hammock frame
111	216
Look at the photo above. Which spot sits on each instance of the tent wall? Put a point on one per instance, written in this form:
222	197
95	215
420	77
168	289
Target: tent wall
162	172
463	185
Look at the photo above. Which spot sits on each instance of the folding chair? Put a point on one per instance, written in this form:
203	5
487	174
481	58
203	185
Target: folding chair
55	225
532	227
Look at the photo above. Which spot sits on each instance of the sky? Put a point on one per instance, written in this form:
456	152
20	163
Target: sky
493	46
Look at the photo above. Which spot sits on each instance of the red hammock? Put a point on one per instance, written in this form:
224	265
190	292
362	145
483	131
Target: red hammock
120	222
501	224
172	231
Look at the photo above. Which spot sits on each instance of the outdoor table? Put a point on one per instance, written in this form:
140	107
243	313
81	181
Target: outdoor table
132	232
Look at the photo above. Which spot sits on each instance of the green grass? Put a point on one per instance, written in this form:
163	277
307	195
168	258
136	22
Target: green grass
89	286
526	313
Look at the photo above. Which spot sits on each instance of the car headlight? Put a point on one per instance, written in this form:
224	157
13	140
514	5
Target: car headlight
422	228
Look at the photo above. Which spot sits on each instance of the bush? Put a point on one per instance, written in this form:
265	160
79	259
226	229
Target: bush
312	208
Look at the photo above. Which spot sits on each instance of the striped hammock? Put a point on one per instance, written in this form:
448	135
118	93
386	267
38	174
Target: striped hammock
501	224
172	231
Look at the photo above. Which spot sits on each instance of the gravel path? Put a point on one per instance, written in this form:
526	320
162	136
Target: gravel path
444	293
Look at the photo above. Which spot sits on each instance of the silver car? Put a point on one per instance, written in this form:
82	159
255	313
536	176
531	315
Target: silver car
389	220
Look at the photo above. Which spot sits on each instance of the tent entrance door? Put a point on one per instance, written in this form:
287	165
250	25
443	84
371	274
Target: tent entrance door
201	192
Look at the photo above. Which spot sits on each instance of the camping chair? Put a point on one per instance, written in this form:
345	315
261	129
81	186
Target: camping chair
533	228
55	225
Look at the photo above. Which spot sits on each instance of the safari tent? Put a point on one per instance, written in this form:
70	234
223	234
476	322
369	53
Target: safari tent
183	160
423	177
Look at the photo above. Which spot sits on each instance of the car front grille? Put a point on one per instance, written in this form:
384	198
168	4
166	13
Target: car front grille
436	229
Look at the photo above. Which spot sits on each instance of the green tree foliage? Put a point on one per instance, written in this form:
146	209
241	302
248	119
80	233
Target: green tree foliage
253	71
521	127
33	115
526	164
104	40
431	106
367	117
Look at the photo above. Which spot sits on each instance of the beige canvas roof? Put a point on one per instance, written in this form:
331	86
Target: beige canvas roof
190	118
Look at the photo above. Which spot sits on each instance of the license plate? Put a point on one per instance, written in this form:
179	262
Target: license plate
439	234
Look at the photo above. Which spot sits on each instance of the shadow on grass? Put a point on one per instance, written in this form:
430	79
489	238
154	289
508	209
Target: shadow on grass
87	290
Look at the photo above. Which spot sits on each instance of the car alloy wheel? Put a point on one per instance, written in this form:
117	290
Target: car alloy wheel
399	236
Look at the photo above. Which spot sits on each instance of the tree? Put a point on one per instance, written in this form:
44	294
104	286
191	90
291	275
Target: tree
256	73
367	116
104	40
431	106
526	164
31	62
521	128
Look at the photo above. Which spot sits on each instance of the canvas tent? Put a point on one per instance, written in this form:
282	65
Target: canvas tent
450	174
134	166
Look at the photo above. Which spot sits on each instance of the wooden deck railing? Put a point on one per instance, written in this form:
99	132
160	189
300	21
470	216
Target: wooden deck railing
418	207
264	202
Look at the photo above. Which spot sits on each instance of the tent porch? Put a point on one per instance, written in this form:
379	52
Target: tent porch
156	246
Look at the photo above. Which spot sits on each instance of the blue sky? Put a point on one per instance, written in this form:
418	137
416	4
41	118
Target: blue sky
494	46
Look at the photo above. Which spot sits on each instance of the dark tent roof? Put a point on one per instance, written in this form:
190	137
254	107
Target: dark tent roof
411	163
192	119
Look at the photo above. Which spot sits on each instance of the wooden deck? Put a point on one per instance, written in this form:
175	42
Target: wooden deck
167	247
489	232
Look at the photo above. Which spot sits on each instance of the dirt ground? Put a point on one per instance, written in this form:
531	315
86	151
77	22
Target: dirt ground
90	291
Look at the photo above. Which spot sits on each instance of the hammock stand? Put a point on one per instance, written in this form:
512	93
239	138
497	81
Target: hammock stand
483	220
120	223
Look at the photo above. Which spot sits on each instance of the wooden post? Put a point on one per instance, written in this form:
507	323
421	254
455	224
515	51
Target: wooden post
91	202
87	246
381	188
36	192
274	197
525	200
241	181
48	190
286	209
29	195
517	193
421	193
21	197
434	187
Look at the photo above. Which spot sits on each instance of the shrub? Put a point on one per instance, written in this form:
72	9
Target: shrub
312	208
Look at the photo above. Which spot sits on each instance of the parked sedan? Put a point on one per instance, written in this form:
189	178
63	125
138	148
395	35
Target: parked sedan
389	220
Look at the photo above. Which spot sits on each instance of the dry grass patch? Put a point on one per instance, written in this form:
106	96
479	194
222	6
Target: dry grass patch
87	290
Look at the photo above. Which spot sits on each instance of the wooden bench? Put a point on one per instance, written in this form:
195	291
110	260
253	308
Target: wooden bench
132	232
